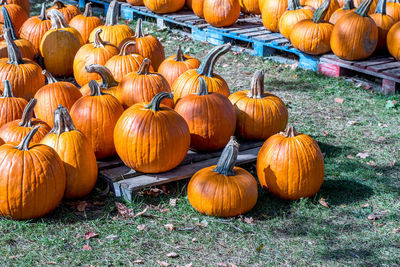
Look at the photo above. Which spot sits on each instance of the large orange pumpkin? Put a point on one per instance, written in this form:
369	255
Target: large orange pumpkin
384	22
355	35
223	190
313	36
135	2
32	179
11	107
113	32
272	12
174	66
347	8
210	116
161	141
15	131
250	6
393	41
294	14
221	13
69	11
86	22
188	82
95	116
60	45
333	6
142	86
259	114
393	10
98	52
164	6
290	165
22	3
76	153
34	28
53	94
197	7
24	75
17	15
107	82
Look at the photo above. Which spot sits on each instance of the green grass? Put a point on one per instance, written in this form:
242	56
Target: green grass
284	233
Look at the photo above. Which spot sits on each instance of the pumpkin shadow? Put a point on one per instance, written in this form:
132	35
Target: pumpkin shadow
331	151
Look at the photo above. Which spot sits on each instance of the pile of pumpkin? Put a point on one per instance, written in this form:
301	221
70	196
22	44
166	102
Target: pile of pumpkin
52	134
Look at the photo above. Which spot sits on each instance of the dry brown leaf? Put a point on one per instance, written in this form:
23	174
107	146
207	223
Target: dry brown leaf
323	202
138	262
381	138
326	133
186	265
366	205
124	211
82	206
363	155
221	264
248	220
172	202
372	163
169	226
172	255
86	247
393	163
142	212
339	100
163	263
112	237
141	227
89	235
350	157
396	231
374	217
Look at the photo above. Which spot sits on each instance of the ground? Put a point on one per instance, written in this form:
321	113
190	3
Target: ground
359	225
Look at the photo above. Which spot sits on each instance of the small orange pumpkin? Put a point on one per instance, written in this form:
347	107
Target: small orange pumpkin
393	10
164	6
135	2
294	14
272	12
11	107
393	41
17	15
197	7
250	6
223	190
347	8
333	6
221	13
25	4
107	82
69	11
86	22
384	22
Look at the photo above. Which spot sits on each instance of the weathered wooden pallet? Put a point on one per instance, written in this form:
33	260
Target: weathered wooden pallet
125	182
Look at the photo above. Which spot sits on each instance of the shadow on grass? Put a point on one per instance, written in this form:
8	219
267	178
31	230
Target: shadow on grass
332	151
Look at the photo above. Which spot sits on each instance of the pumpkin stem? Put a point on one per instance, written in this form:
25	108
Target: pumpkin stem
62	121
145	67
50	78
291	132
98	42
321	11
157	99
227	161
207	65
293	5
57	19
68	123
58	4
42	15
257	85
112	13
14	53
26	120
7	90
107	79
363	8
24	145
180	56
125	46
95	88
139	29
8	23
381	7
203	88
348	5
88	10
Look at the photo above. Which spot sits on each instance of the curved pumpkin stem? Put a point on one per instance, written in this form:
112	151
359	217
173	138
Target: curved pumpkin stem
8	23
62	121
207	65
95	89
57	19
228	158
203	88
139	29
98	42
50	78
88	10
321	12
7	90
107	79
58	4
291	132
42	15
14	53
257	85
124	51
26	120
293	5
180	56
157	99
348	5
68	123
363	8
381	7
112	13
24	145
145	67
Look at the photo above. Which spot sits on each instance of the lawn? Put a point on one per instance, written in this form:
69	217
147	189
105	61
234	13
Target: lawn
358	132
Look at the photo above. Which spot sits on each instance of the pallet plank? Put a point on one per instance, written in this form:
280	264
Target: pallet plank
395	73
383	67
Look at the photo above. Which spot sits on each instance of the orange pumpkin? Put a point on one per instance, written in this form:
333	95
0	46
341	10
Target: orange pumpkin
86	22
60	45
53	94
76	153
24	75
11	107
95	116
113	32
259	114
188	82
17	15
393	41
223	190
188	3
210	116
294	14
15	131
357	3
272	12
333	6
347	8
107	83
174	66
142	86
197	7
384	22
221	13
32	179
355	35
26	47
69	11
98	52
250	6
26	6
125	62
290	165
135	2
159	144
164	6
393	10
313	36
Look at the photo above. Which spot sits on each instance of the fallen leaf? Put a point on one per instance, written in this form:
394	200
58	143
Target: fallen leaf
367	87
138	262
186	265
172	202
89	235
366	205
82	206
221	264
260	247
323	202
372	163
326	133
99	203
194	239
142	212
232	265
155	192
393	163
249	220
112	237
350	157
163	263
124	211
373	217
172	255
339	100
381	138
396	231
203	223
51	263
359	85
169	226
141	227
363	155
86	247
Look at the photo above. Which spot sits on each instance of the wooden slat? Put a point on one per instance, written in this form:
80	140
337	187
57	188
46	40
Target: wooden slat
395	73
373	61
383	67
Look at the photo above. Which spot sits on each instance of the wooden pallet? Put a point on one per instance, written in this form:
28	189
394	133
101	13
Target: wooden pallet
125	182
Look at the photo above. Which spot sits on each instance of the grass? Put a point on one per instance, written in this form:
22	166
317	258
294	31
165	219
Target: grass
283	233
